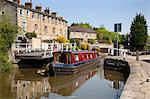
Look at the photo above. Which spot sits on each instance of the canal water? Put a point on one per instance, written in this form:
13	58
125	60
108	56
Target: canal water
94	83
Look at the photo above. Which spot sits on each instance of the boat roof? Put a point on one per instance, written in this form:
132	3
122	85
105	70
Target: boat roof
76	52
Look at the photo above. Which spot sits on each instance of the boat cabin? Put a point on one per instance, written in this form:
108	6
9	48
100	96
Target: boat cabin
73	57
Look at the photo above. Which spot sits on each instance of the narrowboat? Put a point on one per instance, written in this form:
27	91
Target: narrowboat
71	62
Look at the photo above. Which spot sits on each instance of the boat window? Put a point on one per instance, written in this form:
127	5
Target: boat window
60	58
87	56
69	58
95	55
91	56
76	58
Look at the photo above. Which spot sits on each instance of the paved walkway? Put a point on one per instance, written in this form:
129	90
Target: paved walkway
137	86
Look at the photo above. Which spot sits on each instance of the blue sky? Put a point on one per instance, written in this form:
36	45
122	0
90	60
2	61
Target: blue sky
99	12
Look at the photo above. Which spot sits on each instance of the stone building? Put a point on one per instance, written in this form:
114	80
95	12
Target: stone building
82	34
47	25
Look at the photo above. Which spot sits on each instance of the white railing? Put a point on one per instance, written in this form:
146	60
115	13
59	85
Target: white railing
46	47
119	52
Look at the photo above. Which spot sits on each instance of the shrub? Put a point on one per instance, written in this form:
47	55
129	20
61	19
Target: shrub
85	46
30	35
62	39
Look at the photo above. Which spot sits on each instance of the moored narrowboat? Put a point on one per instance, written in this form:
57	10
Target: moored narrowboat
70	62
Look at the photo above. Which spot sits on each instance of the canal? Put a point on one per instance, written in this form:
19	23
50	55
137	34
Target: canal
94	83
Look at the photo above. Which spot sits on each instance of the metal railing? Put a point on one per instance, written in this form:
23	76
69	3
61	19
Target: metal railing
119	52
46	47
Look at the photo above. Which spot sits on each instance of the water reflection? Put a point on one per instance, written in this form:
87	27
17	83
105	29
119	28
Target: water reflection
26	84
116	80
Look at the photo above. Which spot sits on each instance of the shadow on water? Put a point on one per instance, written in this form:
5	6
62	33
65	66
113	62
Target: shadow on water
93	83
33	63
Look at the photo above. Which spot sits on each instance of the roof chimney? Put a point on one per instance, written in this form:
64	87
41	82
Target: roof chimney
17	1
28	4
47	11
38	8
54	14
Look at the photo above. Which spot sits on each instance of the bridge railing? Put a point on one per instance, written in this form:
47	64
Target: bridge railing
118	52
46	47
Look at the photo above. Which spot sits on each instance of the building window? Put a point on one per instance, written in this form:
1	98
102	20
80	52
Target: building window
59	22
24	26
52	21
3	12
60	31
46	29
21	12
33	15
27	13
43	18
56	22
82	33
35	27
49	19
53	30
38	16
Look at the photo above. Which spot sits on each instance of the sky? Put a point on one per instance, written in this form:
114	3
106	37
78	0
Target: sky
99	12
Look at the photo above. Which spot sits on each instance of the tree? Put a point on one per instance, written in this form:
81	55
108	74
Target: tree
8	33
138	33
83	25
147	46
104	35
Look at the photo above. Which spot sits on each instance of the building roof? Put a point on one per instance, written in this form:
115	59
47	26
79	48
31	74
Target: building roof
33	10
80	29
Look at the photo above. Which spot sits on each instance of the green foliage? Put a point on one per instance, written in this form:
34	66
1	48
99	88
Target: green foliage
83	25
85	46
105	35
147	46
8	33
30	35
92	41
72	40
139	33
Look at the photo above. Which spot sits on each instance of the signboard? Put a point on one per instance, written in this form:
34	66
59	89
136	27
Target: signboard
117	27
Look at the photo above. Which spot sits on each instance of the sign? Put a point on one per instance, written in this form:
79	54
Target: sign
117	27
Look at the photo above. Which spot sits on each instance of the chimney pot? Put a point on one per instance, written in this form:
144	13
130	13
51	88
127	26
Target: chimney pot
47	11
28	5
38	8
54	14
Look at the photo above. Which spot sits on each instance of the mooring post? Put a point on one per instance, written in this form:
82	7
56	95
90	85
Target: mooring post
137	55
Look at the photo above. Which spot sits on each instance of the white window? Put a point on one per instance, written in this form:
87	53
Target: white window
91	56
87	56
24	26
76	58
3	12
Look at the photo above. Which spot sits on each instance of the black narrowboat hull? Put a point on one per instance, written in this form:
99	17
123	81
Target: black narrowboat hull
72	70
